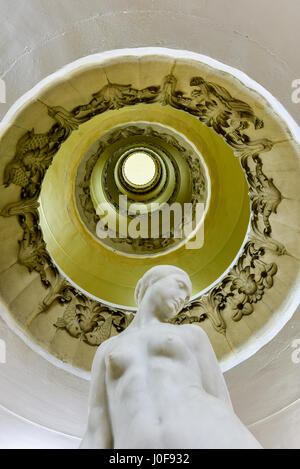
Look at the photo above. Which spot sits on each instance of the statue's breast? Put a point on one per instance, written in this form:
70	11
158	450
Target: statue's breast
138	352
118	361
169	346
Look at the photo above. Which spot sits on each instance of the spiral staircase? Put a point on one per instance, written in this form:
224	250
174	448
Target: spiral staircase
209	134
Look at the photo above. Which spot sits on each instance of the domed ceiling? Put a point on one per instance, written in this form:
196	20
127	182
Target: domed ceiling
157	127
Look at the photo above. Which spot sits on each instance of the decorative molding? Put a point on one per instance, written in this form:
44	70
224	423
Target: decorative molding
91	321
213	105
82	187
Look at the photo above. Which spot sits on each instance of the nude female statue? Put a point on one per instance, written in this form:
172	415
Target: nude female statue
159	385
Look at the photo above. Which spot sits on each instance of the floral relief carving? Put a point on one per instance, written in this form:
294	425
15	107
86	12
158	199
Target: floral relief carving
91	321
213	105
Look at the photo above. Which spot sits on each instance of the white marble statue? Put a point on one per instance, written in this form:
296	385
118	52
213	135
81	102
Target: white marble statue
159	385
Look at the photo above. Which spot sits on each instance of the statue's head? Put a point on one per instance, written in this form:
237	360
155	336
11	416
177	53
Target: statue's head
167	288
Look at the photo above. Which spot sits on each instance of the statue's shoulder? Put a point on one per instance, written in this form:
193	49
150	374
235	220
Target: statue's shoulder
104	348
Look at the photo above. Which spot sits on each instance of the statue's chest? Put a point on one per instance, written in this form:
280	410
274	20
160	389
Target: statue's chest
145	351
168	346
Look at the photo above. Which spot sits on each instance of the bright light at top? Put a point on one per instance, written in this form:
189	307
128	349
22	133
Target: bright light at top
139	168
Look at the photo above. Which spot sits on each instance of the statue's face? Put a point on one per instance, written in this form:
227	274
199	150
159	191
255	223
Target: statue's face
169	295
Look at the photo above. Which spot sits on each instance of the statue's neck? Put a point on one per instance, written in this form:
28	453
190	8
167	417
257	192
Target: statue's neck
145	315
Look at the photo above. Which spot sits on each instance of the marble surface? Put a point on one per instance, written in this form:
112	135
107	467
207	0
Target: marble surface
158	385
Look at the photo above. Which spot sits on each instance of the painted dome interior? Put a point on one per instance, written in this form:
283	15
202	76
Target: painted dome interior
156	128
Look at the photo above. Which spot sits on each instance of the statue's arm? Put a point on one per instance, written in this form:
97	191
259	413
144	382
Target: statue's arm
98	433
212	376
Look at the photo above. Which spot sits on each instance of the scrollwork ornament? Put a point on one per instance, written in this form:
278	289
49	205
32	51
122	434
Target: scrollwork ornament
214	106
